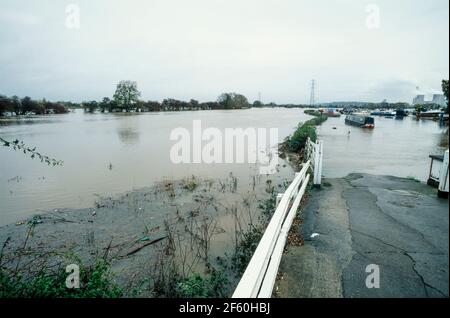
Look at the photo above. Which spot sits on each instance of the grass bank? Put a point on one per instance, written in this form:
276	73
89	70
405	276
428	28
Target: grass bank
296	142
294	145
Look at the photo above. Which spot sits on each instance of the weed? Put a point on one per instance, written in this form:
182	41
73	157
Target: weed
190	184
413	179
195	286
95	282
297	141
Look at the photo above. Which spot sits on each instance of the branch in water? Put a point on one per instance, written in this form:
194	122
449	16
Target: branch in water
19	145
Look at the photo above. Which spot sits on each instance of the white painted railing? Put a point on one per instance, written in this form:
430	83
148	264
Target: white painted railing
443	177
261	272
314	152
439	174
259	277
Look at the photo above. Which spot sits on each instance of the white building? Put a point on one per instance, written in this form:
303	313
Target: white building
419	99
439	99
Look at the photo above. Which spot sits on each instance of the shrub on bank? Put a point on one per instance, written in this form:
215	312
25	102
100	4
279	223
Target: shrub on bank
312	112
297	141
196	286
95	282
251	237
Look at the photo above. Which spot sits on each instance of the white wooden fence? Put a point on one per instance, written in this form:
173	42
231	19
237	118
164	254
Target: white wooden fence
439	174
260	275
314	152
443	177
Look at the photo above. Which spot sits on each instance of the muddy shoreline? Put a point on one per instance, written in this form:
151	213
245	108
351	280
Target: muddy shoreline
194	223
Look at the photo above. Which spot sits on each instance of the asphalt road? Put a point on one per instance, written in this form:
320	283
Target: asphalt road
397	224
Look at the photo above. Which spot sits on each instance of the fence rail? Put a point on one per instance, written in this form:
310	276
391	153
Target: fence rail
439	173
259	277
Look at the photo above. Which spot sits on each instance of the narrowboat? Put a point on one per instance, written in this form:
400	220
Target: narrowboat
389	114
360	121
400	114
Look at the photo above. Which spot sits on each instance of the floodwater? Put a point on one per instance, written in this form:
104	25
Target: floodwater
395	147
109	154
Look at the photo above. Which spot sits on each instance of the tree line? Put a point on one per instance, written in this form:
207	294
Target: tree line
23	106
127	98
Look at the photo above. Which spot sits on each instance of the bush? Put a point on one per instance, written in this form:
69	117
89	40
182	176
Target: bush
312	112
195	286
190	184
297	141
94	283
318	120
246	247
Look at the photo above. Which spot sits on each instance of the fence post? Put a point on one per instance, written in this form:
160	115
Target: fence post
443	178
318	163
308	149
279	197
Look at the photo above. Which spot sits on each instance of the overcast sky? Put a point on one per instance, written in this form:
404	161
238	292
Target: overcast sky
201	48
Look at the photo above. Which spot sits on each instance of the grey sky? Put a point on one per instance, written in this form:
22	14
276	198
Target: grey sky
200	48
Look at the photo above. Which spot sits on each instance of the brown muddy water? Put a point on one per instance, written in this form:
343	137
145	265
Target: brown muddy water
118	190
398	148
109	154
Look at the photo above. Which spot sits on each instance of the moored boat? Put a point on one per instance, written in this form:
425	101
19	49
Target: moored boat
389	114
332	113
430	114
360	121
400	114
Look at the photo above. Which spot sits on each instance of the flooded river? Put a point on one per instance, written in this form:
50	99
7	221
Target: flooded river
108	154
395	147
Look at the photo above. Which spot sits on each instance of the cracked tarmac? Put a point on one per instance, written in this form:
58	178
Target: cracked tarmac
398	224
